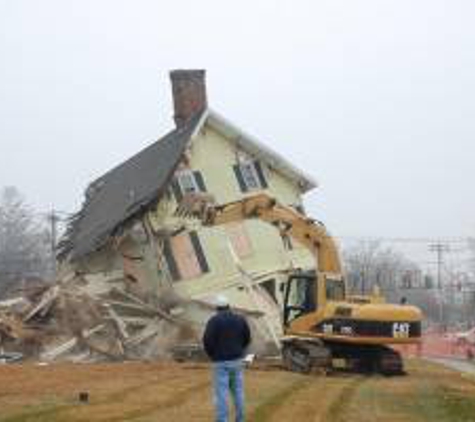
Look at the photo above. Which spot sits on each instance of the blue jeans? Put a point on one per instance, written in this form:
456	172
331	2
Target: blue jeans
228	376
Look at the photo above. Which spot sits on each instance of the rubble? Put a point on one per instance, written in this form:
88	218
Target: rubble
65	322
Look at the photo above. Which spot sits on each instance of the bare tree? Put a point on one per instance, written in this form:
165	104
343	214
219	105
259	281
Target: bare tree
369	264
23	241
471	247
470	303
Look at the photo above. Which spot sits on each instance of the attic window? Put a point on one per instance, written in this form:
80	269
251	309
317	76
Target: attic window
250	175
187	181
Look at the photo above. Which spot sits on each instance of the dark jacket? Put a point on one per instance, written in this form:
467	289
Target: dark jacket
226	336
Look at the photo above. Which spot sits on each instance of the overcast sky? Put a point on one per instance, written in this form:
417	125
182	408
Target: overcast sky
374	98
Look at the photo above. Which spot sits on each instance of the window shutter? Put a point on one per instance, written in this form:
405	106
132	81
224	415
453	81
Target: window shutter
199	180
300	209
171	263
240	179
260	174
177	190
199	252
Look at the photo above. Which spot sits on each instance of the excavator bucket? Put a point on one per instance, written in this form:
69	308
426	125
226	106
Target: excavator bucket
196	205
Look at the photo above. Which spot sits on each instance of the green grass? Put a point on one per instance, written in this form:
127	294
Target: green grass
412	399
40	413
271	405
338	409
436	403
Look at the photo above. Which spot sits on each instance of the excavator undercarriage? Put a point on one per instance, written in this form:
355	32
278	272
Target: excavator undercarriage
315	355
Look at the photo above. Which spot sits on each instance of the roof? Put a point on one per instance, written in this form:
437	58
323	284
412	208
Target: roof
125	191
133	186
260	151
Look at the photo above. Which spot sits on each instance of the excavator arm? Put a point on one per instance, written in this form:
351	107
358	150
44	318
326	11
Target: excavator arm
339	327
288	221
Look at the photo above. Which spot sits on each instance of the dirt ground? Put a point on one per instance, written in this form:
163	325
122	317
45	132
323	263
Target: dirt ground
170	392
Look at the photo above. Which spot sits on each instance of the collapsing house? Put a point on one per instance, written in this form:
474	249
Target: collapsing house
127	242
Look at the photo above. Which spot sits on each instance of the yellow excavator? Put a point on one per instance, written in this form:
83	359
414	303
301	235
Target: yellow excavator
323	324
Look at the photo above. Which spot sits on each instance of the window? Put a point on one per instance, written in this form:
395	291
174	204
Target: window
300	297
250	176
300	208
187	181
185	256
240	241
335	290
269	287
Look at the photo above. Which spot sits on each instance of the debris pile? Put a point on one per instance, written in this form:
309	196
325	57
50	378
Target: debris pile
66	322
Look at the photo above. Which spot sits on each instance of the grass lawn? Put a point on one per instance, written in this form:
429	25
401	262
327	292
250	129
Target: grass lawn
169	392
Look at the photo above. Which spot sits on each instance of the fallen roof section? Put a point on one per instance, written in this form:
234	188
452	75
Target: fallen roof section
125	191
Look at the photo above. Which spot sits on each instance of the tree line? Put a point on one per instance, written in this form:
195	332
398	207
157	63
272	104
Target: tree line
25	239
370	263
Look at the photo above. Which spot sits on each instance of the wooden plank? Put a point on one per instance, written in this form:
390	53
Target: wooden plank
45	303
149	331
119	323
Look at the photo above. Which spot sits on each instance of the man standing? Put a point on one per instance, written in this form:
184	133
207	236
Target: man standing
225	340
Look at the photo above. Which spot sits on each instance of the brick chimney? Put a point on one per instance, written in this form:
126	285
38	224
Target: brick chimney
189	93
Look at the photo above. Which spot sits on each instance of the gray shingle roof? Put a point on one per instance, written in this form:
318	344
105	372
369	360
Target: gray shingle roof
124	192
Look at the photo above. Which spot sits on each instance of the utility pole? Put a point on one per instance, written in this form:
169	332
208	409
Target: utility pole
439	248
363	281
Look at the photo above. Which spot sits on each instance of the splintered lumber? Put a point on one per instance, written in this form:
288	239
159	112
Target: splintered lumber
101	347
65	347
186	352
149	331
9	303
119	322
69	322
137	308
147	310
60	350
129	296
82	357
44	305
135	321
12	327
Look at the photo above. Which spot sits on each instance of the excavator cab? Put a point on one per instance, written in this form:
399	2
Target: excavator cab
300	296
307	290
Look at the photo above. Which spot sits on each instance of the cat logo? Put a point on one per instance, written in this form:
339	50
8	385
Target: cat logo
401	330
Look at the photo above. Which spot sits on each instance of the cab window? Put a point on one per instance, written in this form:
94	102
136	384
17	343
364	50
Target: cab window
335	290
300	297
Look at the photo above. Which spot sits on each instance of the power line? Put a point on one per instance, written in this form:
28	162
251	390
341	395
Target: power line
406	239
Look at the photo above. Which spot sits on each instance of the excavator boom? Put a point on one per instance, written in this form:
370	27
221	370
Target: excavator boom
321	321
289	222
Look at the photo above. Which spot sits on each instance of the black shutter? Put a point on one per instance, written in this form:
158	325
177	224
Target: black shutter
260	174
177	190
240	179
171	263
199	180
199	252
300	209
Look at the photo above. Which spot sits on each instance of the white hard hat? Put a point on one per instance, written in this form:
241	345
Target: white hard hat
221	301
